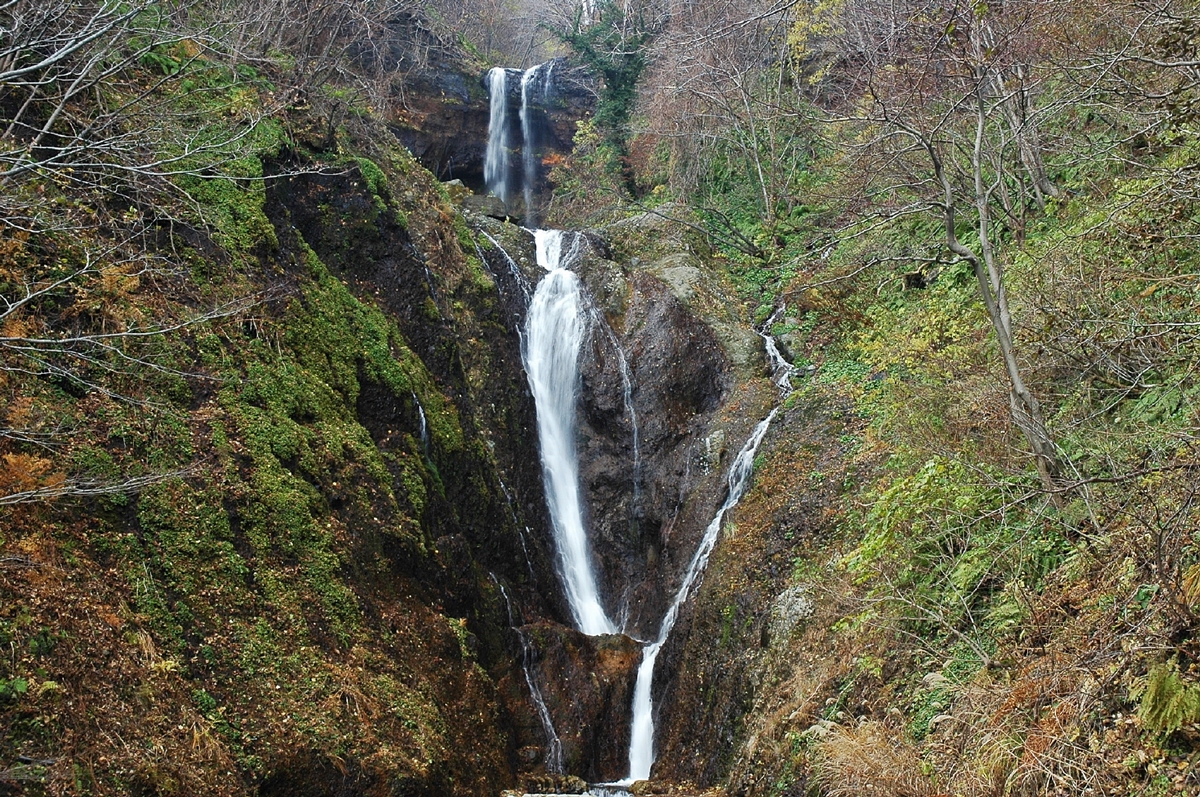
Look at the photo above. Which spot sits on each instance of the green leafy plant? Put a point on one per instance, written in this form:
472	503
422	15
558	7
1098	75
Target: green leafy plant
1167	702
13	688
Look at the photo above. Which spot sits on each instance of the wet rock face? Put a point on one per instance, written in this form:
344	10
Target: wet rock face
666	345
735	648
680	367
587	683
446	132
443	117
657	502
646	509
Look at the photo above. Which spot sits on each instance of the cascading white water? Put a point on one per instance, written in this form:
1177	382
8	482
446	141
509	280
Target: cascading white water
527	148
548	82
554	332
423	431
781	369
641	740
495	164
497	170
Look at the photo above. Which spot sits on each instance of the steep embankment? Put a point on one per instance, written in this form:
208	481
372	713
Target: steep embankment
899	607
306	607
331	515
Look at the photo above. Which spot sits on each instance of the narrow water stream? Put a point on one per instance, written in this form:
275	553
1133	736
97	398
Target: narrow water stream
641	741
554	750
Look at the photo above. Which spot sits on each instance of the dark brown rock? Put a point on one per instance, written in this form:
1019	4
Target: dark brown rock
484	206
444	114
587	683
647	513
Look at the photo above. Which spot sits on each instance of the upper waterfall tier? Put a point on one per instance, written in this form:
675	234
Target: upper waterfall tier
496	167
529	123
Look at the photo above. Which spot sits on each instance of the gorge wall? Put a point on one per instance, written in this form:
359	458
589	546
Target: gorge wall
323	601
442	113
665	350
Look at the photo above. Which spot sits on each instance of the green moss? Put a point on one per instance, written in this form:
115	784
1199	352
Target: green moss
375	177
481	280
233	205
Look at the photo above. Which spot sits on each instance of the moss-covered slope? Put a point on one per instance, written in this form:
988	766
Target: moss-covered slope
298	600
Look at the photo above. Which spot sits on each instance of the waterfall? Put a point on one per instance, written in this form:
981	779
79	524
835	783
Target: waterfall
781	369
641	741
497	169
424	424
548	82
527	149
495	165
554	332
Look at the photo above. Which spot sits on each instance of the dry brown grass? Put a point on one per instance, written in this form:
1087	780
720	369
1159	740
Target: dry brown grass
870	758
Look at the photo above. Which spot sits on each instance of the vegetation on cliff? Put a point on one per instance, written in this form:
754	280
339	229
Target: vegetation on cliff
250	374
262	423
972	227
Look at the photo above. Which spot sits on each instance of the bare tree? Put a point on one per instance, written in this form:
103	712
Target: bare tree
110	114
720	93
944	100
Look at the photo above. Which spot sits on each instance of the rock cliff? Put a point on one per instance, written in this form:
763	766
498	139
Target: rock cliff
442	114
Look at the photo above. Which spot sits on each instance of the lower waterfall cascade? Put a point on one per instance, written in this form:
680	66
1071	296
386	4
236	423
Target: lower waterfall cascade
641	741
557	324
554	754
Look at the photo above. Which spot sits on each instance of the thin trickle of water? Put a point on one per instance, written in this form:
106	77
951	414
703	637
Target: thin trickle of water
525	549
627	384
423	429
627	388
554	332
518	275
495	164
508	499
554	751
641	742
781	369
512	513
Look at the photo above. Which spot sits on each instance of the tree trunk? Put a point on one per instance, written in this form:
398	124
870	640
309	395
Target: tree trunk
1026	411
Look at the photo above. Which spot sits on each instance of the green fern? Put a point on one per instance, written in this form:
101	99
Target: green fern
1167	701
